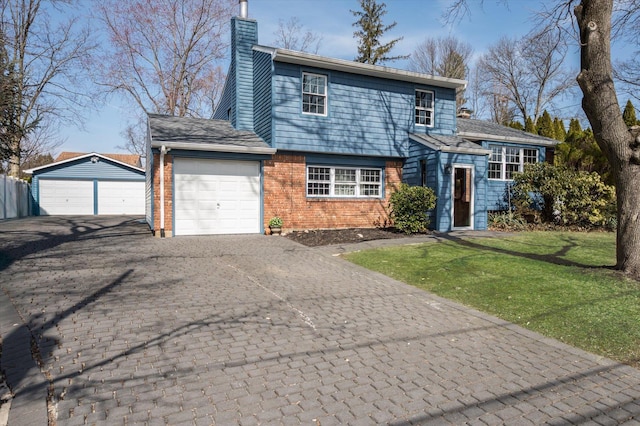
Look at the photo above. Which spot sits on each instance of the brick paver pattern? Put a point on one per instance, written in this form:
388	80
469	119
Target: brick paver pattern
260	330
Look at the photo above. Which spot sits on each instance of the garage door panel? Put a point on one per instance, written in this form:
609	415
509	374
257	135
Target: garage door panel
121	197
65	197
216	196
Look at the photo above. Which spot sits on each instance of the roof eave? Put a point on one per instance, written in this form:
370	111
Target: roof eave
214	147
306	59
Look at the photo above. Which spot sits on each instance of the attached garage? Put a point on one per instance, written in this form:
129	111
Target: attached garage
216	196
203	177
89	184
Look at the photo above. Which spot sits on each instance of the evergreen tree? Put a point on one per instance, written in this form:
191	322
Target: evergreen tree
574	127
629	114
529	127
580	152
9	105
559	129
516	125
545	126
370	32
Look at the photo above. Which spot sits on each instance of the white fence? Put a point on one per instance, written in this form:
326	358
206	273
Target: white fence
15	198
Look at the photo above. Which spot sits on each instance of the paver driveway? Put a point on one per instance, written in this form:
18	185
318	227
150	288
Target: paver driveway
261	330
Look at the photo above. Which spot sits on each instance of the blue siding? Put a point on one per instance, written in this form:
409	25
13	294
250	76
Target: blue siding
149	185
245	33
227	100
497	189
366	115
262	72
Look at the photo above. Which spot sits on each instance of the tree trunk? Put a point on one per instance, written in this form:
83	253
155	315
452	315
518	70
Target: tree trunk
600	103
14	158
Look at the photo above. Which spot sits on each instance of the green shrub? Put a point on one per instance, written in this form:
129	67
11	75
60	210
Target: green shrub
565	196
410	206
507	221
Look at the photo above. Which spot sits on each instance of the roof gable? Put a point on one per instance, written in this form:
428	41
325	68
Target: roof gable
69	158
131	159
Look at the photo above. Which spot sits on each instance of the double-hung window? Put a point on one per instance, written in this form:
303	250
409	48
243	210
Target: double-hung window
424	108
314	94
506	160
323	181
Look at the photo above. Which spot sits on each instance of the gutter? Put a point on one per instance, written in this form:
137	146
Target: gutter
213	148
489	138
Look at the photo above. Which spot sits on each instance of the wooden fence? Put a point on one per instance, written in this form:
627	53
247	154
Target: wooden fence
15	198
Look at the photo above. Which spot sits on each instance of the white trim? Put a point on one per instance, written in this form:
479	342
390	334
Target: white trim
472	218
307	59
332	182
212	147
432	109
326	93
80	157
503	160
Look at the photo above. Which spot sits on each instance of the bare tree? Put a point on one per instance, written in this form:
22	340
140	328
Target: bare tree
293	35
444	57
166	55
528	72
135	137
46	55
595	21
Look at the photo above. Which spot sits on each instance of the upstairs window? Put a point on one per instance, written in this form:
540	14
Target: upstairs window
507	160
343	182
424	108
314	94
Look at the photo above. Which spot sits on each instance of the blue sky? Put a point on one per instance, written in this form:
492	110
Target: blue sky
332	19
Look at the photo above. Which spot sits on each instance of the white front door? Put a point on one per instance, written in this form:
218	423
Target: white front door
216	196
65	197
118	197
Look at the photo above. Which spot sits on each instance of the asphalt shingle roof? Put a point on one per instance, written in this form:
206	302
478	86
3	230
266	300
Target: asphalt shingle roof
449	143
485	130
199	131
130	159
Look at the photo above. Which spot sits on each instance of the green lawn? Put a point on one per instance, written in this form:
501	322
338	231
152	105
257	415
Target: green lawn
556	283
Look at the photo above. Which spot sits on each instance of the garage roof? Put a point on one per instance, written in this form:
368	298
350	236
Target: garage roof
131	159
80	157
202	134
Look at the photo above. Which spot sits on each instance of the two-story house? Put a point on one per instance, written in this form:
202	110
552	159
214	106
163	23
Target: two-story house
322	143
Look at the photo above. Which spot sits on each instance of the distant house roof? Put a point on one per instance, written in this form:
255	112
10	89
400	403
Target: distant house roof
202	134
131	159
69	157
453	144
477	130
307	59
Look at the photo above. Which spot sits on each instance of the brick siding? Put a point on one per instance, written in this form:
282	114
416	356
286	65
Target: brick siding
285	196
168	196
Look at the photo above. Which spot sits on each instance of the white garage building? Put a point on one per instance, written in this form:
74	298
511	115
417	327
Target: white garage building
89	184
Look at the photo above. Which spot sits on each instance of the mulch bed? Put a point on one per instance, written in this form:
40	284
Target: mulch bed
324	237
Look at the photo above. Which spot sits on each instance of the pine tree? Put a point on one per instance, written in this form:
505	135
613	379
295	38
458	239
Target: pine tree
544	126
629	114
560	131
529	127
9	105
516	125
370	32
574	127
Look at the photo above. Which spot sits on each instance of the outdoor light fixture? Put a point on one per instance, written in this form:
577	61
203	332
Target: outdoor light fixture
448	169
95	159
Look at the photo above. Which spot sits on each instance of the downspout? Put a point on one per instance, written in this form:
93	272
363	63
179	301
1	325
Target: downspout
163	151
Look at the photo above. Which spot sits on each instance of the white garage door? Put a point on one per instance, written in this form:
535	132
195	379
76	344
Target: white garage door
120	197
65	197
216	197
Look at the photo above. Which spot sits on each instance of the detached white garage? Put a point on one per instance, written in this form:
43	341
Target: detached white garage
89	184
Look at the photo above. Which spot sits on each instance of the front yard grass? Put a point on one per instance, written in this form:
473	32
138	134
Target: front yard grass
559	284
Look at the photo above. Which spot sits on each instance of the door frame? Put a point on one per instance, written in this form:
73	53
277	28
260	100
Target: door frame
470	167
